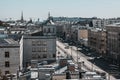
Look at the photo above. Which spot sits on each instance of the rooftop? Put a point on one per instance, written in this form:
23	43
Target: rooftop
8	43
115	24
97	29
39	37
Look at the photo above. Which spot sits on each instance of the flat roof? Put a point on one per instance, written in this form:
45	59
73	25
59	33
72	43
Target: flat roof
39	37
115	25
8	43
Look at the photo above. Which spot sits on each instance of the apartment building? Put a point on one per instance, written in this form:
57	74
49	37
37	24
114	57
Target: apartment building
97	40
103	22
83	36
113	41
9	56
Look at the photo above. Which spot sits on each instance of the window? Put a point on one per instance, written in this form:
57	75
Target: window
7	54
7	72
34	56
48	30
54	55
44	43
39	56
33	49
102	40
44	30
7	64
44	49
33	43
44	55
53	30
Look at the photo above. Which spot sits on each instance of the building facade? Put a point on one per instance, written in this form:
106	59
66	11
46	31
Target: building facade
97	40
9	56
37	48
83	36
113	41
103	22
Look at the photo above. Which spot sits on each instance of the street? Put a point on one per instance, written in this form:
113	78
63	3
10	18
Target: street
80	57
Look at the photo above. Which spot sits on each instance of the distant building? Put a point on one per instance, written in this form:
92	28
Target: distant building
79	34
97	40
83	36
49	30
103	22
113	41
22	18
9	56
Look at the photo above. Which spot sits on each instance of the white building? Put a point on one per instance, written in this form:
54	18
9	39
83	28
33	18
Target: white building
103	22
9	56
37	48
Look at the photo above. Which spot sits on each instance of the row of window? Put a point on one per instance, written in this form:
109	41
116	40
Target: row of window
39	49
39	43
36	56
49	30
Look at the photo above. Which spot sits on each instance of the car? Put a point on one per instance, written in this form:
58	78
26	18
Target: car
89	54
70	43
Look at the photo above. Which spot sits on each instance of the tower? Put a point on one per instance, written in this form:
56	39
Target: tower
48	14
22	17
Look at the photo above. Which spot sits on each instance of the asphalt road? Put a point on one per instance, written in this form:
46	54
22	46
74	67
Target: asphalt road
82	57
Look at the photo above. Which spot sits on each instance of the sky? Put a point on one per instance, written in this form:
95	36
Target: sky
68	8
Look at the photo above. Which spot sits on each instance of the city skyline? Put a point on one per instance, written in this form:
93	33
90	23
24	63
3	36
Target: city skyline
68	8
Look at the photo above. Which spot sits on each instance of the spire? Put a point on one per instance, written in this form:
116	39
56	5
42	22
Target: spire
22	16
48	14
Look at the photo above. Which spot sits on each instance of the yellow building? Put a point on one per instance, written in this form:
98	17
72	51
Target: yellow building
97	40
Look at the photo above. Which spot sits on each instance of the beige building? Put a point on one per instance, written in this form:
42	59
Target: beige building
79	34
113	41
9	56
83	36
97	40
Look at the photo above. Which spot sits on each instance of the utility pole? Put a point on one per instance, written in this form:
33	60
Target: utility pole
71	52
38	72
79	66
77	55
77	63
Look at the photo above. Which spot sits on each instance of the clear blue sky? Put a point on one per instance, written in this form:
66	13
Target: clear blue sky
68	8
